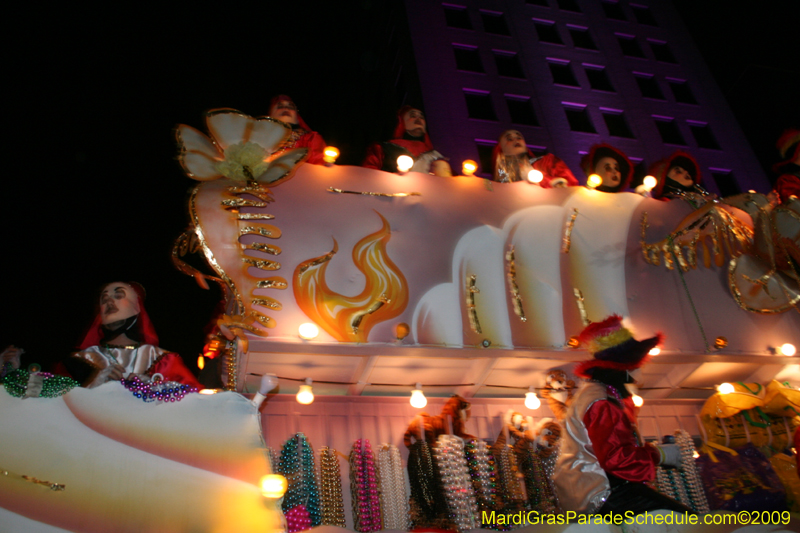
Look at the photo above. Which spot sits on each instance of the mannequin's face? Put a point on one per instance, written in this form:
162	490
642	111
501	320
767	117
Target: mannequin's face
680	175
285	111
118	301
513	143
414	122
608	169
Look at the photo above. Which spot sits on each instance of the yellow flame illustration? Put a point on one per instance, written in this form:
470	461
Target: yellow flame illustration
346	318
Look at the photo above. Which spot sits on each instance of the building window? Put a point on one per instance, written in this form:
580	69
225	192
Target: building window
629	45
702	135
670	134
648	86
494	22
581	38
562	73
598	78
457	17
569	5
467	58
578	117
485	149
538	3
616	123
725	182
508	64
643	15
662	52
547	31
521	110
479	104
613	10
681	91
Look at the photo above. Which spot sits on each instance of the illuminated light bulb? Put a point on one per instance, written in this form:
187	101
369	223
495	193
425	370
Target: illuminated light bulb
330	154
637	400
649	182
695	454
594	181
305	395
404	163
787	349
274	486
209	391
531	400
308	331
655	351
725	388
535	176
418	399
469	167
201	362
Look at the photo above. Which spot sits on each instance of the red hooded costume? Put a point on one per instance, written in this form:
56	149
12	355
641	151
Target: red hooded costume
302	137
549	165
143	358
383	156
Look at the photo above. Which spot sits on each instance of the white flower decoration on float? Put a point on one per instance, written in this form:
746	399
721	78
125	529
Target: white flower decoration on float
238	147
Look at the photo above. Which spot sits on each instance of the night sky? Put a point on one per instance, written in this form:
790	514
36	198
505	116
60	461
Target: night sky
93	191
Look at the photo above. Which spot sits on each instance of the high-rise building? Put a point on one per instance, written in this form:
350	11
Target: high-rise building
571	73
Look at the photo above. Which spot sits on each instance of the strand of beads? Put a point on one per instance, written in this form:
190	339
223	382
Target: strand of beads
331	489
297	519
16	383
458	491
393	488
484	475
511	491
425	482
162	391
364	488
296	464
691	478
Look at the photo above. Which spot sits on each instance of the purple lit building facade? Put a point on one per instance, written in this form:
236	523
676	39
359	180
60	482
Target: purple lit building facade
572	73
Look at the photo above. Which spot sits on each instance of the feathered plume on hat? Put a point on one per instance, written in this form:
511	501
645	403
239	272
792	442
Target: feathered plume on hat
613	346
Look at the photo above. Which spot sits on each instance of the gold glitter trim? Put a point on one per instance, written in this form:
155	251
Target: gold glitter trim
265	321
56	487
230	285
272	283
265	301
240	202
359	316
318	260
259	191
511	274
267	230
254	216
472	312
729	237
580	301
262	264
367	193
265	248
737	295
188	243
567	241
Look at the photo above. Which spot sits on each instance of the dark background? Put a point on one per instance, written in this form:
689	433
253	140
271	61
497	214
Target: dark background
92	192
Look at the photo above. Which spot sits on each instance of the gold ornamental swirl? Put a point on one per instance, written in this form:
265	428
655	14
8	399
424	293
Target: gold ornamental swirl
516	298
350	318
729	237
266	230
567	240
471	290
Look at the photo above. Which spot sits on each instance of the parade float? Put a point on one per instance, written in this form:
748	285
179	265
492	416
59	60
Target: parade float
363	286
